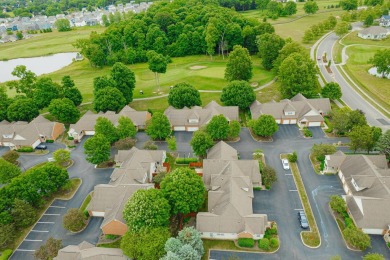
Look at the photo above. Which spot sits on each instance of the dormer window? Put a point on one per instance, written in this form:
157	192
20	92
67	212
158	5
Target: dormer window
289	113
193	120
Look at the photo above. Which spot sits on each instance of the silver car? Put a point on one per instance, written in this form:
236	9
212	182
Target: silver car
286	166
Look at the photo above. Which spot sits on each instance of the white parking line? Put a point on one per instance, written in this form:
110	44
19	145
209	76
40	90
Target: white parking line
298	209
57	207
32	240
45	222
39	231
51	214
25	250
293	190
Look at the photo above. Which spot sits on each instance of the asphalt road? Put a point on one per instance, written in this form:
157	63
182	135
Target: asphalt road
350	96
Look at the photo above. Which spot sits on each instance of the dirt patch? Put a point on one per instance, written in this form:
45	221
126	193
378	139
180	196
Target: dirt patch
197	67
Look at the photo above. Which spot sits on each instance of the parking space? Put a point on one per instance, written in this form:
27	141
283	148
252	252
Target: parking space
287	132
317	132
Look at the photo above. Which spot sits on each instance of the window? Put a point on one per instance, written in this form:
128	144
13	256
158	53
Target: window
193	120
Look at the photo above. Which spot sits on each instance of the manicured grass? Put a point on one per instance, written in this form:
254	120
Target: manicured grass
46	43
337	49
85	203
352	38
269	93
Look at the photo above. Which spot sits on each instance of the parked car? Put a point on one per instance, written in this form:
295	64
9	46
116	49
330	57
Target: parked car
286	166
303	220
41	147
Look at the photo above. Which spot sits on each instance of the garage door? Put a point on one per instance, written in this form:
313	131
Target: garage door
97	214
293	121
179	128
277	121
314	124
36	143
192	129
89	132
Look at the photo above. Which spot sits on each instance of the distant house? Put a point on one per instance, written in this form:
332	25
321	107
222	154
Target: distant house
86	124
230	183
366	182
17	134
373	33
191	119
134	171
384	21
85	250
299	110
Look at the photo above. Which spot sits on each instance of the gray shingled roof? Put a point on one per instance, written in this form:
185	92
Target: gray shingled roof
374	30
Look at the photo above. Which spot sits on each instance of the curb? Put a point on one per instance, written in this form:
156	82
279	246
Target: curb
250	132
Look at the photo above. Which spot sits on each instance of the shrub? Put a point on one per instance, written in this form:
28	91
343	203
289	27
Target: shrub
274	242
6	254
307	132
25	149
338	204
292	157
159	177
348	222
322	165
246	242
70	138
388	244
125	144
74	220
86	213
357	238
11	156
112	237
264	244
150	145
186	160
49	141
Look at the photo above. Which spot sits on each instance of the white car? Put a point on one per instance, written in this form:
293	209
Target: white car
286	166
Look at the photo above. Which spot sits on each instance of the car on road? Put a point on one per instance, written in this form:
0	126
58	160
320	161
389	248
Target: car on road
303	220
285	164
41	147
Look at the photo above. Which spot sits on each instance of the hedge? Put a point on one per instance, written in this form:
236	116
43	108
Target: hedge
25	149
274	242
264	244
246	242
49	141
6	254
186	160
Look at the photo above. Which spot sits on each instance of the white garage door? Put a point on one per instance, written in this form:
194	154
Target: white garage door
97	214
314	124
286	121
36	143
89	132
192	129
179	128
293	121
277	121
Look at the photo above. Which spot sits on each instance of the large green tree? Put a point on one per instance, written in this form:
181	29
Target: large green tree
269	46
63	25
158	127
4	103
320	150
147	208
265	125
22	109
23	214
124	80
158	64
289	48
126	128
239	65
26	83
107	129
61	156
344	119
297	74
7	235
268	176
8	171
74	220
238	93
49	250
184	95
364	137
97	149
68	90
384	144
45	91
357	238
218	127
234	129
349	4
341	28
290	8
201	142
310	7
332	91
109	99
64	110
381	61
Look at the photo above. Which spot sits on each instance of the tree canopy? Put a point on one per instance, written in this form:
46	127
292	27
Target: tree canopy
8	171
64	110
70	91
97	149
126	128
158	64
269	46
106	128
239	65
109	99
22	109
381	61
201	142
158	127
265	125
310	7
184	95
49	250
238	93
187	245
45	91
4	103
26	83
63	25
349	4
384	144
332	91
218	127
124	80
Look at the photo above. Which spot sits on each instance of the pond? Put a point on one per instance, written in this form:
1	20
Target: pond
38	65
374	72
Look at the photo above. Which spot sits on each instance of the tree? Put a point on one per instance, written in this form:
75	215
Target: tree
109	99
384	144
49	250
349	4
357	238
381	61
218	127
23	214
22	109
373	256
124	80
268	176
7	235
332	91
341	28
45	91
308	36
11	156
292	157
4	103
64	110
201	142
106	128
269	46
184	95
61	156
26	82
187	245
63	25
97	149
239	65
310	7
362	137
158	127
287	50
157	64
70	91
100	83
147	209
126	128
234	129
67	82
297	74
337	203
265	125
356	118
238	93
171	141
125	144
74	220
320	150
145	244
183	199
8	171
19	35
369	20
290	8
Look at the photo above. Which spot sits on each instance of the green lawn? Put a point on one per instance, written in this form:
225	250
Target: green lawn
46	43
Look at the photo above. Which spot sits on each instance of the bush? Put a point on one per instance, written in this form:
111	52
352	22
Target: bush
307	132
246	242
125	144
357	238
86	213
292	157
74	220
274	242
150	145
49	141
264	244
25	149
6	254
322	165
388	244
159	177
271	231
186	160
112	237
348	222
70	138
11	156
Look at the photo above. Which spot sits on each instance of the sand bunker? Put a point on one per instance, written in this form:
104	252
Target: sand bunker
197	67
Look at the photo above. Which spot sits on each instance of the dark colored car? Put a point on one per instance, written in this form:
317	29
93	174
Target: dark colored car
303	220
41	147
